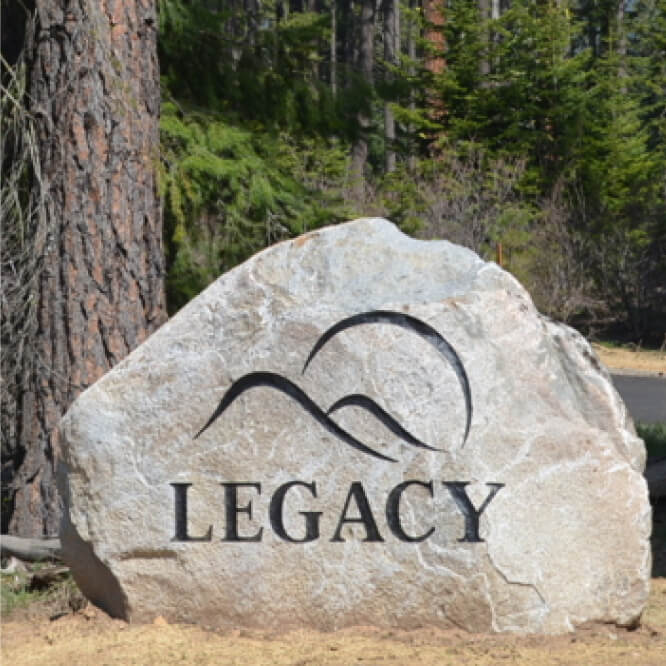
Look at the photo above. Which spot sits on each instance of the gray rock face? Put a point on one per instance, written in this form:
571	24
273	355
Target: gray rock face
356	427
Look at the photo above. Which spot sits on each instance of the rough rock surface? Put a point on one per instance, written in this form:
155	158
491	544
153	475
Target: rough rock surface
427	346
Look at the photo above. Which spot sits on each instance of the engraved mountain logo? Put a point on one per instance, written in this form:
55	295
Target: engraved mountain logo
323	417
241	523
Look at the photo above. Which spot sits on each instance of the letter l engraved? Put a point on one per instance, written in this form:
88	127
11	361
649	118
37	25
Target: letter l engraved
180	496
459	494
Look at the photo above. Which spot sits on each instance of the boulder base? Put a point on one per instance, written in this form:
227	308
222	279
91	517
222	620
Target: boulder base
359	428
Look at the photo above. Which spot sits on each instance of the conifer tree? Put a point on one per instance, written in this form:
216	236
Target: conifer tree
98	288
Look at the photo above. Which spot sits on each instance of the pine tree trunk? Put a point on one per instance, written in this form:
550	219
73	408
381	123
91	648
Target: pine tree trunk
484	63
622	46
391	9
495	14
333	45
347	28
366	53
412	29
433	11
95	91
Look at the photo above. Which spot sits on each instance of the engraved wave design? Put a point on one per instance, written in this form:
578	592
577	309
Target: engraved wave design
286	386
425	331
276	381
360	400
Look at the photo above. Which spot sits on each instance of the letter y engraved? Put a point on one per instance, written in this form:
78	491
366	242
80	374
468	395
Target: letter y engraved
459	494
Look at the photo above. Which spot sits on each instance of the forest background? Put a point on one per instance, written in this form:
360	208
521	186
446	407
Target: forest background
540	125
534	126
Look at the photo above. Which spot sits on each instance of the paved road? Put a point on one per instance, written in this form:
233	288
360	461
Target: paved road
645	397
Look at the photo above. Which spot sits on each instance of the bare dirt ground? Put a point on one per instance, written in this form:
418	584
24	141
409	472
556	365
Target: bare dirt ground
48	632
623	358
91	637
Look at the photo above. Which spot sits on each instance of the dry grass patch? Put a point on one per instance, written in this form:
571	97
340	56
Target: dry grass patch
625	358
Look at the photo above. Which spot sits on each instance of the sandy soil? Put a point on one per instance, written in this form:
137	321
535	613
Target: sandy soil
91	637
622	358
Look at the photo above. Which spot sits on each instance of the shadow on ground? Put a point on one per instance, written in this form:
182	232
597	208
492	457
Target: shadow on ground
659	538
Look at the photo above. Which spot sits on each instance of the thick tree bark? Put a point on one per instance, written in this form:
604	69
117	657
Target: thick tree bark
95	92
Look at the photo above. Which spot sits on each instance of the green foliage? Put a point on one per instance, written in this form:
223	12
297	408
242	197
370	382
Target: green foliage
578	96
545	131
228	192
464	195
17	591
263	70
521	86
253	142
654	436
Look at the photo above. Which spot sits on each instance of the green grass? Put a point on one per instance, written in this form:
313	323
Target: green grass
654	436
16	592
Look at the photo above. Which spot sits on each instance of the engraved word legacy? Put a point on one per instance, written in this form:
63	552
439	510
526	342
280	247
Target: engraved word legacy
357	501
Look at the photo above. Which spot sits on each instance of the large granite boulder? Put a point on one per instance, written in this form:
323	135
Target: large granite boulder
355	427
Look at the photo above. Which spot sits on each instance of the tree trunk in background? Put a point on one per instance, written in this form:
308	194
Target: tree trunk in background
391	11
412	28
95	92
347	29
252	10
359	153
489	10
433	12
622	45
484	15
435	63
495	14
334	50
